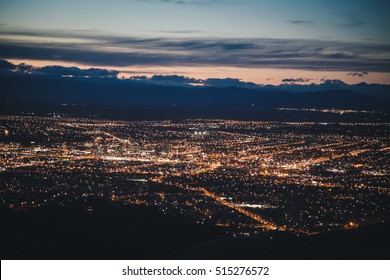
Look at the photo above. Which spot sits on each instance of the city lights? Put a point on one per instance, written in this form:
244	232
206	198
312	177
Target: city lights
244	176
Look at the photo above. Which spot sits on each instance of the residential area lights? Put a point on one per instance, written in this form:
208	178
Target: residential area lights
313	178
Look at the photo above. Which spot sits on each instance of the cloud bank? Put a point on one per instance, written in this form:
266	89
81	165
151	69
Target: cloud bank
95	75
110	51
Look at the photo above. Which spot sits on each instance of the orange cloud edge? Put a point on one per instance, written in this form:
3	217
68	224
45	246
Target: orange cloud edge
271	76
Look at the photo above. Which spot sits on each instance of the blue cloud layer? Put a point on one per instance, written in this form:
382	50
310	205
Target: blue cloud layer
106	50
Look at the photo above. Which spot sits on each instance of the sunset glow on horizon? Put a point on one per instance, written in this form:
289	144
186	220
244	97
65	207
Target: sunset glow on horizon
271	76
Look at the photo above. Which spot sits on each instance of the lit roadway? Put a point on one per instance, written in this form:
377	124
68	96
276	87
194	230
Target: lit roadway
263	222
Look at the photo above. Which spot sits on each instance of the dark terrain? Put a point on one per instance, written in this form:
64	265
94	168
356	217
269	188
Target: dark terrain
124	232
112	98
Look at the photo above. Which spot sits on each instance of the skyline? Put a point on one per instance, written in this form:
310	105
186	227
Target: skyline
256	41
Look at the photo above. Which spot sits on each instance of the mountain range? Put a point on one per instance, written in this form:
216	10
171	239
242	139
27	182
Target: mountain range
99	91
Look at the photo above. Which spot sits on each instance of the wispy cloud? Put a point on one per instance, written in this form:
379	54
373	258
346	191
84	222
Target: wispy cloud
300	22
108	50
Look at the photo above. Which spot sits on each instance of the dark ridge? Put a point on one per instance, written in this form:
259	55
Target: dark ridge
125	232
367	242
115	99
108	232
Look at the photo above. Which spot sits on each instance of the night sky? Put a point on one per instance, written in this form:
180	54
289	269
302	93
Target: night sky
258	41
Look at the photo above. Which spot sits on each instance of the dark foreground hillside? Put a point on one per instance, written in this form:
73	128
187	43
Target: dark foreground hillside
368	242
122	232
108	232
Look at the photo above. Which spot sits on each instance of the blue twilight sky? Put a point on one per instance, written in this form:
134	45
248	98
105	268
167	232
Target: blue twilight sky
260	41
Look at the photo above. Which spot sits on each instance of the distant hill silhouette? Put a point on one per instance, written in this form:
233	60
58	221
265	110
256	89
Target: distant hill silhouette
123	98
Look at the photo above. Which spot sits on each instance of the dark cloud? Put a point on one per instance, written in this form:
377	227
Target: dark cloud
333	82
300	22
84	56
176	80
59	71
358	74
167	80
25	67
237	46
228	82
289	84
77	72
139	78
339	55
275	53
298	80
5	65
